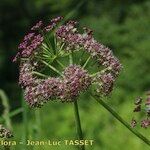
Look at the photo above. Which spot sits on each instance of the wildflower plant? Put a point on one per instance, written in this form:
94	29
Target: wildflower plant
57	62
45	46
143	108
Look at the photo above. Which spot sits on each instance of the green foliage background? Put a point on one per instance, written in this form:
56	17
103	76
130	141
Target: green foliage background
121	25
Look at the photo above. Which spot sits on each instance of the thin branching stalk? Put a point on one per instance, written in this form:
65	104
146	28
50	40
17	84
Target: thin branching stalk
76	112
39	74
71	58
13	113
47	42
51	67
44	46
94	74
85	64
62	46
60	63
121	120
100	72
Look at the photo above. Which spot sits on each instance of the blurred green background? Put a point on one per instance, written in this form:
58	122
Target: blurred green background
124	26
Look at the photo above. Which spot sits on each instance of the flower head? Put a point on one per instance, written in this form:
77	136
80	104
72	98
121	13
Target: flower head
45	46
46	90
26	77
75	81
143	107
105	82
145	123
133	123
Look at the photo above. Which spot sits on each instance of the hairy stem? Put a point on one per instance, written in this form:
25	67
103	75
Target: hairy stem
78	123
120	119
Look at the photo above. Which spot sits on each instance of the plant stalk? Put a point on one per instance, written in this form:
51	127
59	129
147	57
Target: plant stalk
6	111
25	124
38	122
85	64
51	67
39	74
12	114
76	112
120	119
78	123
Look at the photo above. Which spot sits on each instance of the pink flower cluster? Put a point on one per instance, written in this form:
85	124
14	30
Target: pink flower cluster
145	123
74	78
26	77
104	56
106	82
33	40
67	88
30	43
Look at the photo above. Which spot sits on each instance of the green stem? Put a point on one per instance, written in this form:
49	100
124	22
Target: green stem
76	111
6	111
100	72
78	123
60	63
47	42
134	131
13	113
62	46
51	67
71	58
39	74
45	47
81	57
25	123
94	74
38	121
85	64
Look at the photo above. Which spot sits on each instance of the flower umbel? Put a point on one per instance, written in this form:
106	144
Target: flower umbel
46	46
144	109
75	81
